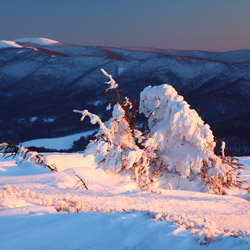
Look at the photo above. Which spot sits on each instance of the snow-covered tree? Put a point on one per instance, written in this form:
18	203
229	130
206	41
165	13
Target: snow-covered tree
185	145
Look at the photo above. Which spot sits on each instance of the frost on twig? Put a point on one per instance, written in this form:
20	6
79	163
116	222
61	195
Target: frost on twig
108	107
128	103
223	146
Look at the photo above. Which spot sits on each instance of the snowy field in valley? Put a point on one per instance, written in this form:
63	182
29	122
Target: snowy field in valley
59	143
40	209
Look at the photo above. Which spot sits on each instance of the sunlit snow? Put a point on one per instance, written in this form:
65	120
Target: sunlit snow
40	41
42	210
9	44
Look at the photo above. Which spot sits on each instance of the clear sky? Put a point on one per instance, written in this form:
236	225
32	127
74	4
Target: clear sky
215	25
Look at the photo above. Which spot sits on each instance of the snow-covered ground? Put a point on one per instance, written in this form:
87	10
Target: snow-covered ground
40	209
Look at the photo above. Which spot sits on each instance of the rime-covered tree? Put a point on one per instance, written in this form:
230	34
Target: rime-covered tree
184	144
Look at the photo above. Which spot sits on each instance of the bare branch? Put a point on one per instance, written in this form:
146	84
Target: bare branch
81	181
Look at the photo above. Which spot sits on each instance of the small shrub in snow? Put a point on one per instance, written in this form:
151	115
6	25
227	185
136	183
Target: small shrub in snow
179	147
119	146
9	149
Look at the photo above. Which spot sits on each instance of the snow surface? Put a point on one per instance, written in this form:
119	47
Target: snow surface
42	210
9	44
40	41
59	143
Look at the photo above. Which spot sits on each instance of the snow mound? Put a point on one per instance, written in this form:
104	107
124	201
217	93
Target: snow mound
40	41
9	44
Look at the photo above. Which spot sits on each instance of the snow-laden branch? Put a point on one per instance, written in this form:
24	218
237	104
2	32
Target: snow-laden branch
112	83
95	119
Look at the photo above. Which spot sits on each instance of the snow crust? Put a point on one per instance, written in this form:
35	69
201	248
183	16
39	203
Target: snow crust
9	44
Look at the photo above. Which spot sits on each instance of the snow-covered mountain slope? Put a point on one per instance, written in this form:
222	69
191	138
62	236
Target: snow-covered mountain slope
9	44
39	41
233	56
236	56
51	80
42	210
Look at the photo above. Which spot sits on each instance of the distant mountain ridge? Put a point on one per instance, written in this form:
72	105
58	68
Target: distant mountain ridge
48	81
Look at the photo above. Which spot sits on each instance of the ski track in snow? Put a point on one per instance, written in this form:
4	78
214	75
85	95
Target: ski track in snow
39	203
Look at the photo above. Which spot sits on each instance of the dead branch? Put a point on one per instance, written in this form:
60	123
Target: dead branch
81	181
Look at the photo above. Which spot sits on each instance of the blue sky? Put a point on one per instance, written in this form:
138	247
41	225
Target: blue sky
215	25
